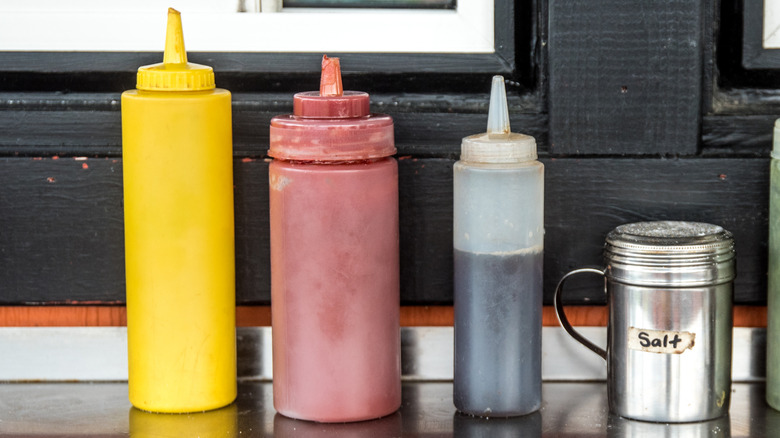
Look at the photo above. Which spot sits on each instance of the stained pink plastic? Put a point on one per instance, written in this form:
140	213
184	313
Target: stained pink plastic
334	265
331	124
331	139
350	104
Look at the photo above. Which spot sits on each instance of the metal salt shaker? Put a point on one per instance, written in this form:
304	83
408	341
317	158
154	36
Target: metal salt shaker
669	289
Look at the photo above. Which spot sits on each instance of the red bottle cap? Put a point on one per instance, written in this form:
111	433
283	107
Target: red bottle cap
331	124
331	102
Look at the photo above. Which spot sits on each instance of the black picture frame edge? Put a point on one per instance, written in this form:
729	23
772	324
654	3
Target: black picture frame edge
754	55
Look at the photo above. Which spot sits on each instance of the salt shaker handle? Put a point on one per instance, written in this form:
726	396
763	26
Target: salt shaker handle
562	316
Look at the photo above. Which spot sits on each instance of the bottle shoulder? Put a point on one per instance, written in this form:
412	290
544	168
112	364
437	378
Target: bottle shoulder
499	167
216	93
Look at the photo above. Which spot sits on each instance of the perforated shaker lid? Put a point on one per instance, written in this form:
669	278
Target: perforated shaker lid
670	253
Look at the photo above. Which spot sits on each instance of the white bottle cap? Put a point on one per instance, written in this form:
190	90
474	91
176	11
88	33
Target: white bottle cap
498	144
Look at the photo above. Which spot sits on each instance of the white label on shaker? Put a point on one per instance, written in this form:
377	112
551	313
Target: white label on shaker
660	341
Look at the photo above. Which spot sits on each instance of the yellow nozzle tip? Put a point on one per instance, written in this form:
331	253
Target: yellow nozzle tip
174	40
175	73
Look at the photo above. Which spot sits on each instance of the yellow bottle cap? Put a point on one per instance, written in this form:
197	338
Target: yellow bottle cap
175	73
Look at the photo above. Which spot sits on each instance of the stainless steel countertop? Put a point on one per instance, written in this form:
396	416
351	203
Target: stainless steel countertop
570	409
68	354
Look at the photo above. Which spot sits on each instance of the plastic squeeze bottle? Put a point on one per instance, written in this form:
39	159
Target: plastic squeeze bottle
334	257
179	245
498	241
773	289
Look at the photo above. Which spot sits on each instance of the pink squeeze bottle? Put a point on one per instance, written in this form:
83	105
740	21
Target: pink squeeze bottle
334	257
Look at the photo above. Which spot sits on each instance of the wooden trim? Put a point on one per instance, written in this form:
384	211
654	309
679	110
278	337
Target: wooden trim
750	316
584	316
62	316
414	316
250	316
744	316
253	316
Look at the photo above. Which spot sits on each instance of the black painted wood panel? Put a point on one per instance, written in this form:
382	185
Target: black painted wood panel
586	198
739	134
425	208
61	239
253	254
625	76
47	124
126	63
610	87
61	230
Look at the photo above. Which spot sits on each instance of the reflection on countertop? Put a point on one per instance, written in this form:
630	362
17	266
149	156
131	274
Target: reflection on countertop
571	409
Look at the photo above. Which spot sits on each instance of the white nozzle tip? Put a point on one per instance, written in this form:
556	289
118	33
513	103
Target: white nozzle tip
498	113
498	145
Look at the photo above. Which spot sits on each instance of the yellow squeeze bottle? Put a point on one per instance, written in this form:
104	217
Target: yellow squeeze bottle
179	238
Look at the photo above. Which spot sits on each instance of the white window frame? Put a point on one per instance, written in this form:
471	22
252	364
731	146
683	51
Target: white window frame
211	26
771	37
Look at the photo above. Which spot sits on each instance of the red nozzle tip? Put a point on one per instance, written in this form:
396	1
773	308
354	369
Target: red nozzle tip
330	81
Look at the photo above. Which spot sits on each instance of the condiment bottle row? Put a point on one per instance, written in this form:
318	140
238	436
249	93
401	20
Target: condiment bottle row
333	185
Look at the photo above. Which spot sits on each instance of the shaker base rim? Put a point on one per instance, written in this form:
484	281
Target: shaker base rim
667	420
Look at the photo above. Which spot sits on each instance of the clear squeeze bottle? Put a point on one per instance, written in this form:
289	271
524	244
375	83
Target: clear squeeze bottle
773	287
498	241
179	245
334	257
